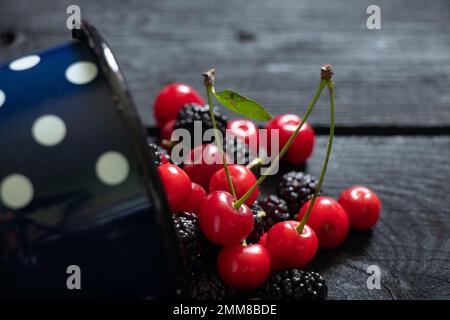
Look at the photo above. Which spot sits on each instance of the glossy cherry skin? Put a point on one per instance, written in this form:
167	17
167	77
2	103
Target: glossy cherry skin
244	267
198	194
290	248
262	240
244	129
171	99
302	146
177	185
202	162
243	179
275	264
362	206
166	130
221	223
328	220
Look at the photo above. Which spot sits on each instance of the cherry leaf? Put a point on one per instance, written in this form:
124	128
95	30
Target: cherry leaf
242	105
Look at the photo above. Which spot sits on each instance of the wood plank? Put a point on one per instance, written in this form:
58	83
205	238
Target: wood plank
410	243
271	51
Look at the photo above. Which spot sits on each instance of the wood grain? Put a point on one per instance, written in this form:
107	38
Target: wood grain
267	49
411	243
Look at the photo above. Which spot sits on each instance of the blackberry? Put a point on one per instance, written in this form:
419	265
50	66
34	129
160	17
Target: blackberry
294	284
259	224
209	286
194	246
276	210
296	188
194	112
157	153
239	151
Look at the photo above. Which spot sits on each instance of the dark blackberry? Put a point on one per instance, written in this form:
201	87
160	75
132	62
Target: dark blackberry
208	286
294	284
296	188
239	151
258	225
157	153
194	246
194	112
276	210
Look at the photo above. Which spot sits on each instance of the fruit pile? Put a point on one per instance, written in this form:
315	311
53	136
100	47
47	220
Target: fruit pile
233	239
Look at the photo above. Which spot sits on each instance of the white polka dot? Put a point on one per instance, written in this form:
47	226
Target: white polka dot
49	130
81	72
2	98
112	168
16	191
24	63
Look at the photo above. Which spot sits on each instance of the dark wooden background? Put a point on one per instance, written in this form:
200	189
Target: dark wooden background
393	103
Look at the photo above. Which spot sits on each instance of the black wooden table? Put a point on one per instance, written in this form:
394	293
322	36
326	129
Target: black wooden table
393	103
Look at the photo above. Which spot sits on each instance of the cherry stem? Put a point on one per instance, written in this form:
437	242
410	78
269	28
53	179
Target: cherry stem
254	163
262	214
209	84
168	144
269	170
300	227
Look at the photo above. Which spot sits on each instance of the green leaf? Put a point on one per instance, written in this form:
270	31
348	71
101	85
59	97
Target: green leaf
242	105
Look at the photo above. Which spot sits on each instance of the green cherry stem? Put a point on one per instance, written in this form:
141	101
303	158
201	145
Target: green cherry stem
269	170
300	227
209	84
254	163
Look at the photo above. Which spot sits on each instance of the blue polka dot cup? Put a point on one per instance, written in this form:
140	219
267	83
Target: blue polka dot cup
81	205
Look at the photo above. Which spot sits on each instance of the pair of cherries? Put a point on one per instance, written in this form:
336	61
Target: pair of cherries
358	207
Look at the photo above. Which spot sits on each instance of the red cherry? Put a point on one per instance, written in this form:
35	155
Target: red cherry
177	184
289	247
362	206
171	99
243	179
244	267
262	240
302	146
328	220
202	162
221	223
166	130
198	194
244	129
275	264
